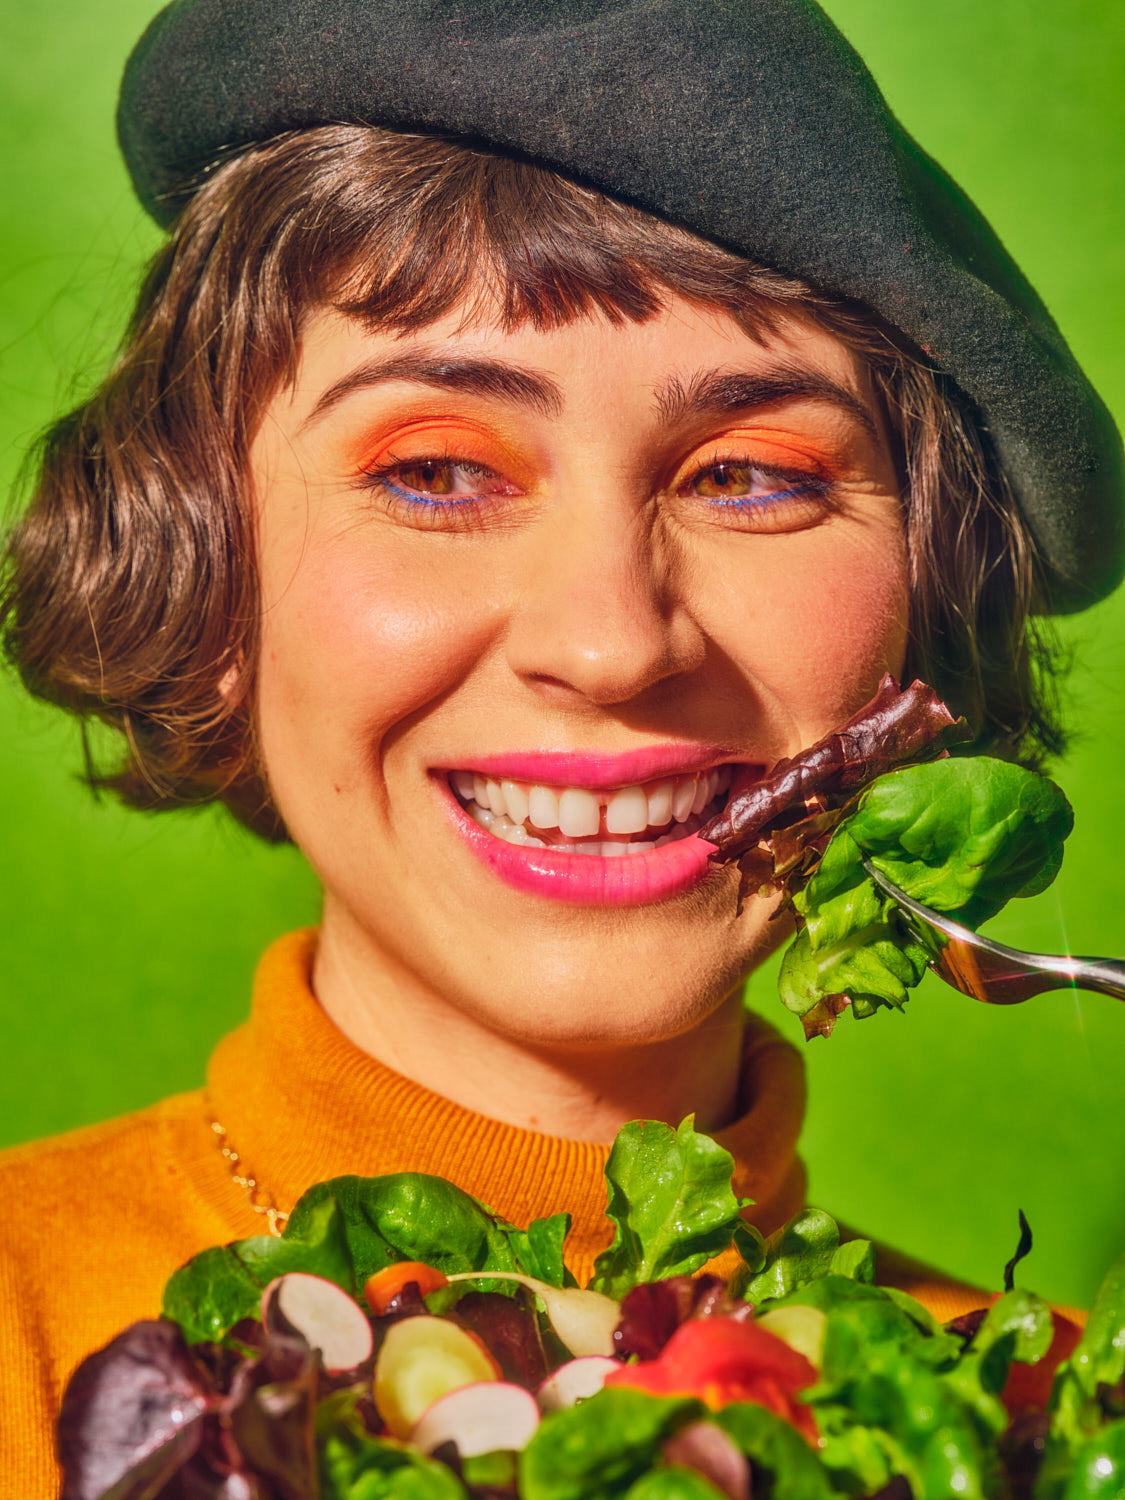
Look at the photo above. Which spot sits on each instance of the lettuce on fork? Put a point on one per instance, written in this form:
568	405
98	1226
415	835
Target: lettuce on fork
962	834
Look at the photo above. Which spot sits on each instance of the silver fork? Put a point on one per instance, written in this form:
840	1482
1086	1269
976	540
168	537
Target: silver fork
989	971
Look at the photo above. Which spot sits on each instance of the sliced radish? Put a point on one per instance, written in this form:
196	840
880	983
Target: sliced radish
709	1451
479	1419
322	1314
422	1359
583	1320
574	1381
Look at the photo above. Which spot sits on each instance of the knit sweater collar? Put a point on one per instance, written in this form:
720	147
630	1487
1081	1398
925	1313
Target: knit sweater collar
302	1103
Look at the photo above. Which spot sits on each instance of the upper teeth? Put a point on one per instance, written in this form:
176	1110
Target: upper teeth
577	812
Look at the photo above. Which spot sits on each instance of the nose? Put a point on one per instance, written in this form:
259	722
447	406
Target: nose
602	613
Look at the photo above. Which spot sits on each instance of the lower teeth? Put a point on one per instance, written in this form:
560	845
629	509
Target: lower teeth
502	827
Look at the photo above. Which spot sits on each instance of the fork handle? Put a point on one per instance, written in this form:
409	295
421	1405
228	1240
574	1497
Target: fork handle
1105	976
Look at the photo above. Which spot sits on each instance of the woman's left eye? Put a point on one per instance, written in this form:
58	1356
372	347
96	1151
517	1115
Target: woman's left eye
742	486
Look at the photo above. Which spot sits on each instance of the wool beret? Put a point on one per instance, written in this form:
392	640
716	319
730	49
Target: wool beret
751	122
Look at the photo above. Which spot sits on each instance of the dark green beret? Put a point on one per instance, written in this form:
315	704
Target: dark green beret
752	122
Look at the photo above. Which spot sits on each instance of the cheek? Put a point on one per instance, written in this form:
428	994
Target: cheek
815	626
357	638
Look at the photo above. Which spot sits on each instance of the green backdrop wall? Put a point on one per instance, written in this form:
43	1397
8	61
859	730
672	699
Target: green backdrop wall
127	943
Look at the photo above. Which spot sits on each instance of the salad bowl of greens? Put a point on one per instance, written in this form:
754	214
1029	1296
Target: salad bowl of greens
399	1340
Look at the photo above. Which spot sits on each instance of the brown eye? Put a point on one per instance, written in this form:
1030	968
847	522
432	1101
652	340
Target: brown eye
428	478
725	480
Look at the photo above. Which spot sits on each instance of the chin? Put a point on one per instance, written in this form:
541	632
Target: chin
609	989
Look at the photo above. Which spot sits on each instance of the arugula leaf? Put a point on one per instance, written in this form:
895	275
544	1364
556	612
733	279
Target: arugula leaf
670	1201
538	1249
595	1450
409	1216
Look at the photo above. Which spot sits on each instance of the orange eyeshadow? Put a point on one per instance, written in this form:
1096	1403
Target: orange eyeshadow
772	446
425	437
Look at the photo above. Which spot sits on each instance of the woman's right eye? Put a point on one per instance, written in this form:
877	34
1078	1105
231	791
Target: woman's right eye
434	490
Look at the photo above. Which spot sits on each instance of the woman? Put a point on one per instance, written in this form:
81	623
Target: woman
601	529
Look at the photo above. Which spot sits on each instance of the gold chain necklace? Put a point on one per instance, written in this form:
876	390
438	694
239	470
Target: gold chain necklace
258	1196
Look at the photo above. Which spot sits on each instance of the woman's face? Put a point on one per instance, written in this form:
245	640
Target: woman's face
528	598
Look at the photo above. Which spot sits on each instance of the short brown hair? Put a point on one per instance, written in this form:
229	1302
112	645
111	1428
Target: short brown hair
131	592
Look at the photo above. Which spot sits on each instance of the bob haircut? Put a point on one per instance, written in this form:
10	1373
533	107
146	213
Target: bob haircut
130	594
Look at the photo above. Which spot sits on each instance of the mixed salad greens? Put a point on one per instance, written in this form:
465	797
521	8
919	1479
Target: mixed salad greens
961	834
401	1342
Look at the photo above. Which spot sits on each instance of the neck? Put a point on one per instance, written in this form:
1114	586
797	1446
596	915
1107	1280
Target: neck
578	1093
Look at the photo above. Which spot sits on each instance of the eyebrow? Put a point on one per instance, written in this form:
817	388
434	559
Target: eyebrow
479	377
717	394
705	394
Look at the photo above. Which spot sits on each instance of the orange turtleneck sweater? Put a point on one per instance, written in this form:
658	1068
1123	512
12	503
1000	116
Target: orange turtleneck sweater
96	1221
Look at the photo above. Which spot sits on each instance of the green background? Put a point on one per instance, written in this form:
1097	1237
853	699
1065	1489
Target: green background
127	943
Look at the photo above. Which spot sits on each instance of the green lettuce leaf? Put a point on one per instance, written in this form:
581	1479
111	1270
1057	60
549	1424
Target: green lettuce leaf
210	1294
963	835
670	1202
856	1260
219	1287
799	1252
789	1467
538	1249
319	1244
673	1482
1098	1472
355	1466
899	1412
1097	1364
410	1216
597	1449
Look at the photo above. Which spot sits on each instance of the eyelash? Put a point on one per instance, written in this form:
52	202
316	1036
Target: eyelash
471	507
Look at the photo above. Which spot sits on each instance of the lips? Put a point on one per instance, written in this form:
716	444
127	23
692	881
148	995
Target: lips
613	838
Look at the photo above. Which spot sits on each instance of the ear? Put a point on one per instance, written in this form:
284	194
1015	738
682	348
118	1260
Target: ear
232	688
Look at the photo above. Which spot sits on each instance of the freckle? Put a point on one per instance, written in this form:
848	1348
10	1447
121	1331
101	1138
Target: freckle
337	789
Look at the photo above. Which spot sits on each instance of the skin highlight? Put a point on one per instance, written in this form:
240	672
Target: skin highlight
594	567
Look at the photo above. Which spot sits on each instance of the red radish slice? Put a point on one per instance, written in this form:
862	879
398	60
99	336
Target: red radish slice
709	1451
421	1360
479	1419
583	1320
323	1315
574	1381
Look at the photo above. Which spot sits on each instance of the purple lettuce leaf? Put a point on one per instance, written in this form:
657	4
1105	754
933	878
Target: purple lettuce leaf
777	826
510	1331
652	1311
132	1415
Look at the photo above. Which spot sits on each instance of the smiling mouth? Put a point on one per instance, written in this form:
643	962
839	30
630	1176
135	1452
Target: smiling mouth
608	823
